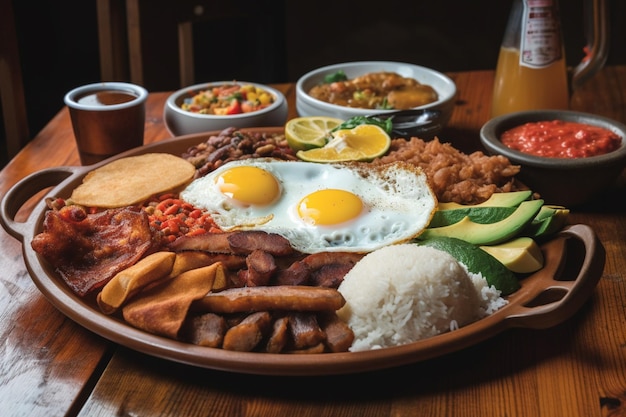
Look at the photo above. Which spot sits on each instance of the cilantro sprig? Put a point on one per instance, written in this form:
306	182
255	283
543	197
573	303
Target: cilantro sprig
385	124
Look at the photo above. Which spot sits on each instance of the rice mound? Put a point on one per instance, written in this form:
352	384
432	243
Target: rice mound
403	293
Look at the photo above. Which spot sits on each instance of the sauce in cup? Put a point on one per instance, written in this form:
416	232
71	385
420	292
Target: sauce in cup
561	139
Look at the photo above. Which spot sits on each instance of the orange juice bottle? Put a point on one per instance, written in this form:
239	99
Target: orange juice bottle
531	72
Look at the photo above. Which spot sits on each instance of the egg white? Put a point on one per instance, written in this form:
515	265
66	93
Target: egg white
398	203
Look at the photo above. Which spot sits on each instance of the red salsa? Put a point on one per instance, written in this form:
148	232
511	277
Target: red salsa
561	139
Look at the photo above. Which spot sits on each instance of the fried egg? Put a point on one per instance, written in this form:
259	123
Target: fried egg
352	207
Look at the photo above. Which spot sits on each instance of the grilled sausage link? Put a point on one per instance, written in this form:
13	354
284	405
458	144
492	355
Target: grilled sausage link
271	298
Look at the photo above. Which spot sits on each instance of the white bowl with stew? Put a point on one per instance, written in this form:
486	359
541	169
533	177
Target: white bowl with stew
307	105
184	122
594	152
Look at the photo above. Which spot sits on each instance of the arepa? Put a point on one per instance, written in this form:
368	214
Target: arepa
131	180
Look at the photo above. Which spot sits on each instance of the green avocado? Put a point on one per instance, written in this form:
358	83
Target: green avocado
482	215
512	199
492	233
550	220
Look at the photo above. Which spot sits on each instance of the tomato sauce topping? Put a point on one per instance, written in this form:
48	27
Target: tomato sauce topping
561	139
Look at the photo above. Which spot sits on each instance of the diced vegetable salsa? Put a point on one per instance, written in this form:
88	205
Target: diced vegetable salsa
228	99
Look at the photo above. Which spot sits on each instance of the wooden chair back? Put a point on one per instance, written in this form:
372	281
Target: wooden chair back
161	42
12	95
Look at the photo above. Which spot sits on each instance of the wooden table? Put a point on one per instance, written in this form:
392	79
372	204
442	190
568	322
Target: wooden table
50	366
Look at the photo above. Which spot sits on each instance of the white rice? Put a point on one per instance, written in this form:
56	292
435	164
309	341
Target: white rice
403	293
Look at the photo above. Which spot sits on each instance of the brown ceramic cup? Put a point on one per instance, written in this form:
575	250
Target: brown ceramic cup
107	118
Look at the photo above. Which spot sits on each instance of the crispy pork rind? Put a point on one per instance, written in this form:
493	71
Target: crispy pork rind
162	309
88	250
132	180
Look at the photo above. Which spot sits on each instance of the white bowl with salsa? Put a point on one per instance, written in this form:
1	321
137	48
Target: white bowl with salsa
222	104
309	103
568	157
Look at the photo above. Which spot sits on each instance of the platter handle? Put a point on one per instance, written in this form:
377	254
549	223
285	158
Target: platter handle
24	190
558	292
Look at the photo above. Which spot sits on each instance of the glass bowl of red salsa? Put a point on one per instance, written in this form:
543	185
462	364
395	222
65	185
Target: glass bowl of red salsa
567	157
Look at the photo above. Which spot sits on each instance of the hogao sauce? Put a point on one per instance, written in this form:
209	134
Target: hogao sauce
561	139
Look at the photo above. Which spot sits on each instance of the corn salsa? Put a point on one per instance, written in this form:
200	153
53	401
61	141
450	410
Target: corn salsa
228	99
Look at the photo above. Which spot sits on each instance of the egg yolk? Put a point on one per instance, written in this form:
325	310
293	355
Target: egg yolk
249	185
328	207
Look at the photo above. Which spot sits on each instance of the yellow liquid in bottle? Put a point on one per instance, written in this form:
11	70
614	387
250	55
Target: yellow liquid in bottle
519	88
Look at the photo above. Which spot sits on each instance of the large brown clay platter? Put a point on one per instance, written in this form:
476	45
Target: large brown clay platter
574	263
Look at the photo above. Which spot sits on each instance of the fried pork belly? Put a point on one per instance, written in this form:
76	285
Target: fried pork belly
279	337
237	243
339	336
87	250
324	269
205	330
305	330
245	336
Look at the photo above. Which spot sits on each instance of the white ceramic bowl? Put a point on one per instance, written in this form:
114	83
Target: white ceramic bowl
180	122
560	181
309	106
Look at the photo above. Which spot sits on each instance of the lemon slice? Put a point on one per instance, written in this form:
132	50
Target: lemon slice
309	132
362	143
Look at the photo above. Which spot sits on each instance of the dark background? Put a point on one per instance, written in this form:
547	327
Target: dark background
59	41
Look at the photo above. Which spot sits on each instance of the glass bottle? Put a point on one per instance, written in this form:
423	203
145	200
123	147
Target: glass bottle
532	72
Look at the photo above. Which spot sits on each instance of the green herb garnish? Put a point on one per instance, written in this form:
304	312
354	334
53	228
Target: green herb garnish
337	76
385	124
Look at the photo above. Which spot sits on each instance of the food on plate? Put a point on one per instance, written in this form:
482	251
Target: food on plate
489	233
304	133
547	222
508	199
318	207
511	214
248	250
204	330
375	90
232	144
272	298
561	139
126	283
422	293
162	309
361	143
235	243
229	98
171	217
188	260
247	334
454	175
131	180
88	249
521	255
311	132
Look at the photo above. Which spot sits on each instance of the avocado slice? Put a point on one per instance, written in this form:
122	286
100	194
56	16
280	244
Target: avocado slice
550	220
483	215
511	199
521	255
488	234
